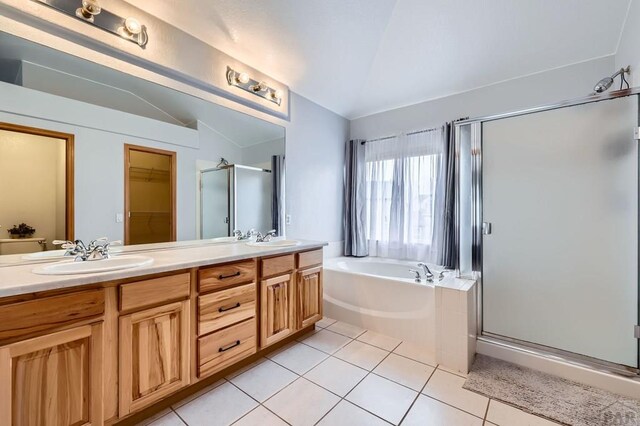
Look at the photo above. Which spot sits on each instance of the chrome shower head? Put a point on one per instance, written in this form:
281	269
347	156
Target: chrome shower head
603	85
607	82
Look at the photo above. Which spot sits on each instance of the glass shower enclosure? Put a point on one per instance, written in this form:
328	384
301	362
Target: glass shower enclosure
234	197
548	223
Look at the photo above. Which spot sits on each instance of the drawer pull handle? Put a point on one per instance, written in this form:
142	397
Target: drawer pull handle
222	277
231	346
237	305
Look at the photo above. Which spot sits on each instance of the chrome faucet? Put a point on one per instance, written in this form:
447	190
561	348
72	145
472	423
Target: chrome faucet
427	272
240	236
266	237
416	275
97	249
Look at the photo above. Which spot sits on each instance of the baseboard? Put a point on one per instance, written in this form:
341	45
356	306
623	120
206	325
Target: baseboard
629	387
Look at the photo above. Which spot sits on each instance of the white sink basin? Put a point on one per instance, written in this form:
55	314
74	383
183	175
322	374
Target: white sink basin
69	267
274	243
58	254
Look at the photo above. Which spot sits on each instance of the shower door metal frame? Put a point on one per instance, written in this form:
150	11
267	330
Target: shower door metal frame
215	169
477	244
232	186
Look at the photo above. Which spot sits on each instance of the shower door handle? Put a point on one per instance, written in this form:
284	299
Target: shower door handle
486	228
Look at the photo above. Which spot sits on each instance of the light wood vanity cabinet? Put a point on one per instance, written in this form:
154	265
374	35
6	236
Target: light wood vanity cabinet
154	355
99	355
227	312
276	310
54	379
290	299
308	297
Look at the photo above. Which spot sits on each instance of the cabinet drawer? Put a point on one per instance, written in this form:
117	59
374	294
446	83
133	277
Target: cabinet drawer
225	347
225	307
217	277
278	265
310	258
19	319
156	291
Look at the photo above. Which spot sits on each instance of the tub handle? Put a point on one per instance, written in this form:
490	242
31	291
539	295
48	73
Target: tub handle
416	275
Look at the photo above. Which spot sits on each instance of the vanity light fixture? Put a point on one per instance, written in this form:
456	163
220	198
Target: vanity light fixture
91	12
89	9
259	88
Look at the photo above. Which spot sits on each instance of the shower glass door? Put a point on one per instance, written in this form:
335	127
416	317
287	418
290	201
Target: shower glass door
214	203
560	265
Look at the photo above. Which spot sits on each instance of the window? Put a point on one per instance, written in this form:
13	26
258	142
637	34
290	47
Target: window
404	195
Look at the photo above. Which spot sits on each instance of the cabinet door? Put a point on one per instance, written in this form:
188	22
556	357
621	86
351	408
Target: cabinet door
54	379
154	355
276	309
308	297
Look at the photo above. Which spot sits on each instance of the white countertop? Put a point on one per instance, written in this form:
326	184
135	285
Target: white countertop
19	279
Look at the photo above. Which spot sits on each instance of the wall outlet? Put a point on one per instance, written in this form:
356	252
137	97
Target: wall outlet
287	219
119	217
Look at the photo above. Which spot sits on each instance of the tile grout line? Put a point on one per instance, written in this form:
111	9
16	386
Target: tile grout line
176	413
416	398
260	403
486	413
343	398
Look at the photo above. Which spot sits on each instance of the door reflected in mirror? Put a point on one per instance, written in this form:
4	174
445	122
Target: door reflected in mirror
150	199
36	186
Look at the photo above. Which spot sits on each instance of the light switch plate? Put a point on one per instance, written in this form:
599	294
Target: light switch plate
287	219
119	217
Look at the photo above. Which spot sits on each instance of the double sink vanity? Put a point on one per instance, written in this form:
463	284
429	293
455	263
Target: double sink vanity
114	347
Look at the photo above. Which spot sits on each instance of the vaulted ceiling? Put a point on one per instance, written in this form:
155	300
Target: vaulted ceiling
358	57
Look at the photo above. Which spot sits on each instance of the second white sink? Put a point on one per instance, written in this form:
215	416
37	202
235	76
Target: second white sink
69	267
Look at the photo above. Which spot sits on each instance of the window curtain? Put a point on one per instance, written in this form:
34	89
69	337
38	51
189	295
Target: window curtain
405	197
277	194
448	254
355	243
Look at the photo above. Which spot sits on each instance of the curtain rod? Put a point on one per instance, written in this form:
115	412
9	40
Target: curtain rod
408	134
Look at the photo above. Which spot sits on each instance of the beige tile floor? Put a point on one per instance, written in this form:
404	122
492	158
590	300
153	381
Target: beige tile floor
343	375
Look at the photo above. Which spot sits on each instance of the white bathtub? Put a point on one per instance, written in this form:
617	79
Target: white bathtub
381	295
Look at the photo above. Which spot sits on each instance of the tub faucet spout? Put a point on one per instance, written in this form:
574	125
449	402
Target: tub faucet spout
427	272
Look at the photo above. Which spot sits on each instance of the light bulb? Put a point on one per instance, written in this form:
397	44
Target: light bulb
262	86
277	94
242	78
132	26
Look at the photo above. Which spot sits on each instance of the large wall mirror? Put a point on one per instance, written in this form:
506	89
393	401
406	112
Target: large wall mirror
87	151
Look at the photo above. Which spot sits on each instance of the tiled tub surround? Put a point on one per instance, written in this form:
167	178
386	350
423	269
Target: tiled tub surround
341	374
438	319
456	323
148	336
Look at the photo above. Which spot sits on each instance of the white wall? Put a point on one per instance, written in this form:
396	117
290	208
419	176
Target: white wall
544	88
629	48
315	161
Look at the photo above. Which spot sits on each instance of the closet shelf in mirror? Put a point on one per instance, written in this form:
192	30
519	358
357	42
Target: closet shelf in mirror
148	174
